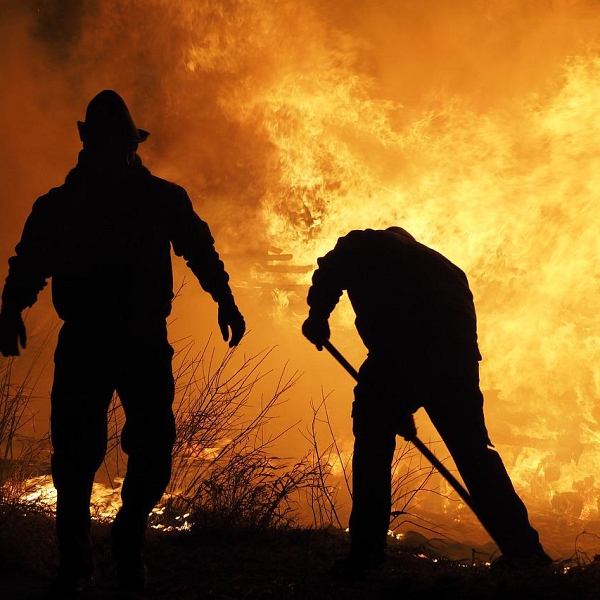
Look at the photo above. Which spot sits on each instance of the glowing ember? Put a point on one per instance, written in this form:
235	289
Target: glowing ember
40	490
181	521
105	500
105	503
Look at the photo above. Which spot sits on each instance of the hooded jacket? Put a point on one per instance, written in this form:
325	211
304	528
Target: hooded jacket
106	242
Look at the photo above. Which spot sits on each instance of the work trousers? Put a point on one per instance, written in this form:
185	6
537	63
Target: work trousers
386	392
91	363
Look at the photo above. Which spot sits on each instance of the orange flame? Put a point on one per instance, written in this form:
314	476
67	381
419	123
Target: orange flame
474	127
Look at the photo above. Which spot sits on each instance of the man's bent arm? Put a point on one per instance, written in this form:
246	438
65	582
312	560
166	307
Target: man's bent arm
333	275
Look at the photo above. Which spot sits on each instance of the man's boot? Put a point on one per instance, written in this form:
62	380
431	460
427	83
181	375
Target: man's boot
128	536
72	579
525	561
357	565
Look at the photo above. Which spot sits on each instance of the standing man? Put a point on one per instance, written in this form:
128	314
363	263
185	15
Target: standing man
104	237
415	314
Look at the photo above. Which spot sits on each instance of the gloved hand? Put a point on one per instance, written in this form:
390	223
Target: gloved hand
316	330
406	428
12	333
231	318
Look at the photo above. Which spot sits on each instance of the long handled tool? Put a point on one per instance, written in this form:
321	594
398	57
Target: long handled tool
412	437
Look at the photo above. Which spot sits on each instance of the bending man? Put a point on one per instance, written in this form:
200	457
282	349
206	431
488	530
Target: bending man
415	314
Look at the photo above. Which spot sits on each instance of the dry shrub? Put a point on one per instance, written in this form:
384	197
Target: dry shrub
22	456
411	477
225	474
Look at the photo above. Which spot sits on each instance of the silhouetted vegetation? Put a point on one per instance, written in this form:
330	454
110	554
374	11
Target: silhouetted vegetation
241	503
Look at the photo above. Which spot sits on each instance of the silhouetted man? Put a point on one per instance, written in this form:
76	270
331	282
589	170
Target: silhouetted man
104	237
415	314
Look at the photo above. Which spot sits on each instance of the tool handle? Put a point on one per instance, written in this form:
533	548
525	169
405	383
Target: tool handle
340	358
437	463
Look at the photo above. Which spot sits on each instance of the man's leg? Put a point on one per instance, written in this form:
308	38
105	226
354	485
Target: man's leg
374	428
146	391
457	414
80	396
374	445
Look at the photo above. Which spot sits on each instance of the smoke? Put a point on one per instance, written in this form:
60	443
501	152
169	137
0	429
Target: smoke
203	78
490	53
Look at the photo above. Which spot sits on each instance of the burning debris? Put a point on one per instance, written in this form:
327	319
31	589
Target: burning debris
106	501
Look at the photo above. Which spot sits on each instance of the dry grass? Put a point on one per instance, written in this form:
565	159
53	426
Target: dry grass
21	456
278	563
225	473
242	500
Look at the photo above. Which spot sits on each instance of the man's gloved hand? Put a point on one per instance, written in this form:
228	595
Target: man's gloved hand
12	333
231	318
316	330
406	427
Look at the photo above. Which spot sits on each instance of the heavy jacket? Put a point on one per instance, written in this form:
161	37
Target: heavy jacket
106	245
409	300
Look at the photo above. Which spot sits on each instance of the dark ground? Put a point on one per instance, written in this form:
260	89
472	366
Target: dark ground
292	563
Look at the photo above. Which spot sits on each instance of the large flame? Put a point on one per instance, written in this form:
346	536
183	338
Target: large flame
472	125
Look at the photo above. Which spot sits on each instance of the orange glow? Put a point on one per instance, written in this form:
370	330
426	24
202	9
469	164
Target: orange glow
471	124
105	502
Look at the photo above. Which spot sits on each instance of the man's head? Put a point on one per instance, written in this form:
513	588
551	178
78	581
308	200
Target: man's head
400	231
109	135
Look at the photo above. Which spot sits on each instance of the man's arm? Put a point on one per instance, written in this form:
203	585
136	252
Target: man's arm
28	271
333	275
191	239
